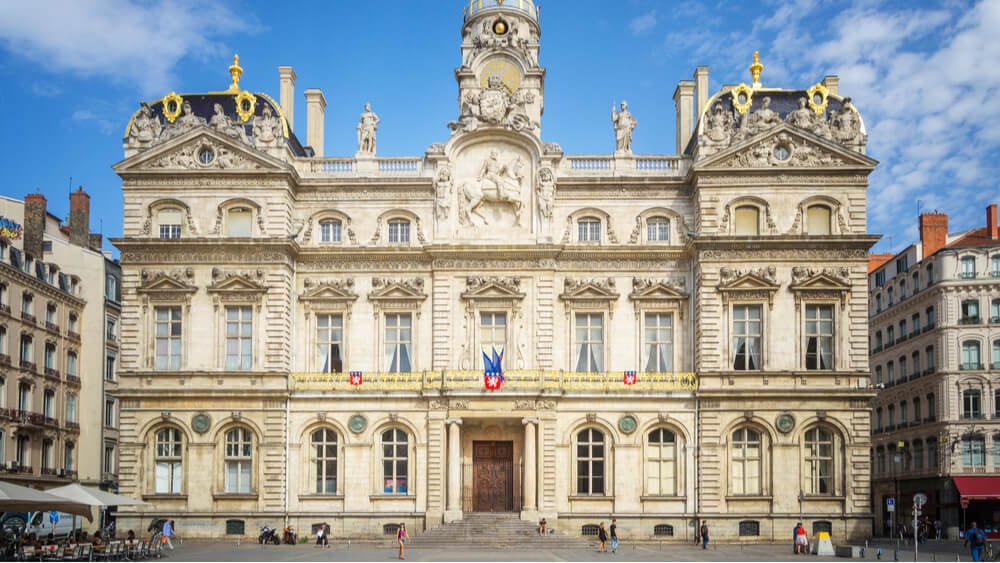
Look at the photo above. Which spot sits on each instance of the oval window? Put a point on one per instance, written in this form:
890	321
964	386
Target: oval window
206	156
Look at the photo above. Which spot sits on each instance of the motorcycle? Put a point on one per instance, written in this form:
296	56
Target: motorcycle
289	536
268	535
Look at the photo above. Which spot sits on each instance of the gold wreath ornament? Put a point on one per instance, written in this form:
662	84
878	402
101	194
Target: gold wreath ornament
821	91
746	91
251	102
172	99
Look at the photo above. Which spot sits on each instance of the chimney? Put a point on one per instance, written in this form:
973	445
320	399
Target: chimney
286	92
683	101
700	92
79	218
34	225
991	221
933	232
831	81
315	108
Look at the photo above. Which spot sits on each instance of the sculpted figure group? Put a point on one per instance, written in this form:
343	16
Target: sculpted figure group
148	130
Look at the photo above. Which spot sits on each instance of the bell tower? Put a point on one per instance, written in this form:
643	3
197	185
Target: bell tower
500	83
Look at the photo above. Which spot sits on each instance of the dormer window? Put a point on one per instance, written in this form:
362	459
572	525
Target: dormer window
818	220
330	231
169	220
239	220
588	229
747	221
968	267
658	229
399	231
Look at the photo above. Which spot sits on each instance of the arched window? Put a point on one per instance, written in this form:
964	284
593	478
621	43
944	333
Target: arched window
324	443
818	220
661	463
239	461
395	461
968	267
239	221
588	229
820	461
746	462
590	462
658	229
169	221
330	230
972	404
747	220
970	355
169	460
996	355
399	231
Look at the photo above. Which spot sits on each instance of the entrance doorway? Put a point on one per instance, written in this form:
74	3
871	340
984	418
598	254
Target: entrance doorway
493	478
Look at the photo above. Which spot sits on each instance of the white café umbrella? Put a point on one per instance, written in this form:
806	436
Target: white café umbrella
15	498
92	496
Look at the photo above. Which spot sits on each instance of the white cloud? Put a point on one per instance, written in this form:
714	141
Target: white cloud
642	24
43	90
103	122
134	42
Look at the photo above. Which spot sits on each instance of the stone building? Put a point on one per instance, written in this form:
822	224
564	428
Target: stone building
308	337
935	330
52	330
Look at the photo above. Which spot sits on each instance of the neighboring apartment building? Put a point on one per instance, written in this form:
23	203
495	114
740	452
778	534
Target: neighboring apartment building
935	357
683	335
52	333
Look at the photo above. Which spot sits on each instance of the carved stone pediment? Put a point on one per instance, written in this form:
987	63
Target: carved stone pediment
397	293
589	294
481	287
328	294
186	153
167	285
741	285
820	283
650	293
786	146
237	282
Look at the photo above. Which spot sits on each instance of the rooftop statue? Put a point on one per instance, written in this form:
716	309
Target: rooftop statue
763	119
367	125
845	125
266	128
624	124
227	126
146	128
186	122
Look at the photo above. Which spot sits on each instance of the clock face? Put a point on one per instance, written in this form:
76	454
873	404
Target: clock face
503	69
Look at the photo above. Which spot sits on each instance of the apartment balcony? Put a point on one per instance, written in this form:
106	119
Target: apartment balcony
28	317
73	426
73	335
52	373
73	379
972	416
5	360
28	418
51	422
970	366
28	366
967	275
4	308
929	327
18	468
51	327
969	320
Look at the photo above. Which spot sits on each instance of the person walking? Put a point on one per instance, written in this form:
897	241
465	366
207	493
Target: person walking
402	537
975	539
321	538
703	532
602	538
168	532
614	535
937	529
801	540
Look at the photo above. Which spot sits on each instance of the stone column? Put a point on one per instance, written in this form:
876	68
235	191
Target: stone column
454	506
530	506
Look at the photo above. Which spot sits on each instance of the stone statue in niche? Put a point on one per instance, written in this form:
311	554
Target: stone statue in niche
763	119
266	128
845	125
146	128
624	124
497	182
367	125
227	126
186	122
442	193
546	193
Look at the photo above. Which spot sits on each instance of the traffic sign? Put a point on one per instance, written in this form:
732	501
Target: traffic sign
919	499
890	504
965	502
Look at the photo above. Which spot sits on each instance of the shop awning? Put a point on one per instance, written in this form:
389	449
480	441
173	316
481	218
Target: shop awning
978	488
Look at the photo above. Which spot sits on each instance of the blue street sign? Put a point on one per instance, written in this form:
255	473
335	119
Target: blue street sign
53	517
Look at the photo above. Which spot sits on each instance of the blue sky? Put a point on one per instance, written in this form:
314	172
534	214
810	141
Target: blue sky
923	75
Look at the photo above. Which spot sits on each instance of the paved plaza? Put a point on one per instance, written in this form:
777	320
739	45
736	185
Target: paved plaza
228	551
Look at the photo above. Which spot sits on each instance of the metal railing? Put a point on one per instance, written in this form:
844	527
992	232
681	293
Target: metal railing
516	380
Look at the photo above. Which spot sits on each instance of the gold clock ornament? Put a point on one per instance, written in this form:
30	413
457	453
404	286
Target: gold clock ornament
506	71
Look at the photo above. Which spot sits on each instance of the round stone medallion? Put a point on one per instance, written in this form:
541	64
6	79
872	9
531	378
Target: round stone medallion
627	424
785	423
201	422
358	423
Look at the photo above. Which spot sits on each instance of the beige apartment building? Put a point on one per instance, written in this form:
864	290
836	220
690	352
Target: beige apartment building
52	330
308	338
935	330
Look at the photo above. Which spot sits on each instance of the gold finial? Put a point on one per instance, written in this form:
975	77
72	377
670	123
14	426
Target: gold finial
235	70
755	69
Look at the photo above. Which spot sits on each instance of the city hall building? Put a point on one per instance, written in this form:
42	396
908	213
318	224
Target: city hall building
496	325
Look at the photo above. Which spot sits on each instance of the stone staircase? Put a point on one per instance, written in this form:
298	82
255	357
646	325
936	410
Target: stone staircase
495	531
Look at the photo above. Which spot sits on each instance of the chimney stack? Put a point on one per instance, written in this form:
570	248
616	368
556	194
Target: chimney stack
683	106
933	232
831	81
34	225
700	92
991	222
79	218
315	108
286	91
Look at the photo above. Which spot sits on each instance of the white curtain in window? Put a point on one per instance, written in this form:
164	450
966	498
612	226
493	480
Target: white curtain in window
238	224
818	220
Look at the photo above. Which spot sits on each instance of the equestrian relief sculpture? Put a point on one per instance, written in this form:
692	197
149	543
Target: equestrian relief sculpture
497	182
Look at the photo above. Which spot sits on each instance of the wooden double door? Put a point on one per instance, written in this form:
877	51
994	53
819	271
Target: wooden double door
493	476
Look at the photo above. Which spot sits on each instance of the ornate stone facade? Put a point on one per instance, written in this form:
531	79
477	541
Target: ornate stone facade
345	371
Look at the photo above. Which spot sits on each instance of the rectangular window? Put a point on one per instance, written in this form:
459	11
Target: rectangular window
659	346
239	338
239	222
747	222
170	223
747	337
972	404
929	359
330	343
330	231
493	333
588	230
111	330
398	342
70	408
973	452
399	232
109	366
589	342
880	278
915	324
658	230
109	413
109	459
111	288
970	311
819	337
168	338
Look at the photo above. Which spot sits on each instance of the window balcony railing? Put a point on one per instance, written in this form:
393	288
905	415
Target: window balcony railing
876	349
4	308
5	359
972	416
995	365
902	339
73	425
969	320
18	468
930	418
929	326
929	370
967	275
995	273
29	366
53	327
73	335
915	333
515	380
73	378
52	372
27	417
970	366
28	317
995	319
49	471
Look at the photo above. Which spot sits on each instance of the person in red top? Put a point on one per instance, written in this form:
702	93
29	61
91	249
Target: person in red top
801	540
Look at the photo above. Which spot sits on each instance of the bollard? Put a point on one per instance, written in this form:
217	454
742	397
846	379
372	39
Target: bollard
237	544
